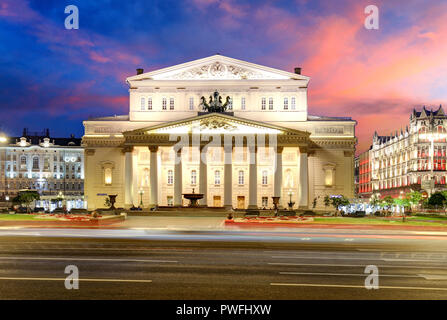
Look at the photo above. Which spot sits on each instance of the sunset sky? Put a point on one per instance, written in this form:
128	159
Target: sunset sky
53	77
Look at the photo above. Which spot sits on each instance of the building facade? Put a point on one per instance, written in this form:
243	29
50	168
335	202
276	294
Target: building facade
236	132
52	166
410	159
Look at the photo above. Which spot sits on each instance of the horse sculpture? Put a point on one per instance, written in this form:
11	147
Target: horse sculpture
215	103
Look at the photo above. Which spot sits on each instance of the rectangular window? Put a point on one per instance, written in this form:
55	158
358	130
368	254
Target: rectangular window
243	103
241	177
164	104
149	103
270	103
170	177
293	106
191	103
170	200
230	104
286	103
264	177
193	177
171	104
143	104
265	202
217	177
263	101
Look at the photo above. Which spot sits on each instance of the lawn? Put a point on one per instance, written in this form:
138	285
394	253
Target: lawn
410	221
22	217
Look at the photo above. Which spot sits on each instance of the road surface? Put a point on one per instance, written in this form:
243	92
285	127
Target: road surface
138	264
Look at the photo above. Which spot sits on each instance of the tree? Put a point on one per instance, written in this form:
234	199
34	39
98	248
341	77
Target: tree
414	198
338	201
327	201
26	197
437	199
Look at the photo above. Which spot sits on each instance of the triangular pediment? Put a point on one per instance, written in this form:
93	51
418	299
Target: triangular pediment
218	67
216	123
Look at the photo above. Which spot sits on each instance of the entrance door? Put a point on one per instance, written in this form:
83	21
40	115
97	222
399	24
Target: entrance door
240	202
216	201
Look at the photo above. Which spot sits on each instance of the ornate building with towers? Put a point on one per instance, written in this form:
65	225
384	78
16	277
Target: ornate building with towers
409	159
234	132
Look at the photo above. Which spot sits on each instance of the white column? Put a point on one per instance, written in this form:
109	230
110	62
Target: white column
203	175
178	179
228	178
304	179
253	176
278	172
153	171
128	178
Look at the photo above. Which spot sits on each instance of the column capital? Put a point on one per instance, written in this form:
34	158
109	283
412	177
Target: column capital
153	148
303	149
279	149
127	149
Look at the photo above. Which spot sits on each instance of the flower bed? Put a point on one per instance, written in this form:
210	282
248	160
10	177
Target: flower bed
59	220
63	217
269	221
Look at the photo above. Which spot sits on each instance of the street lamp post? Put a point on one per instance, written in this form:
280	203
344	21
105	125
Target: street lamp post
141	192
290	200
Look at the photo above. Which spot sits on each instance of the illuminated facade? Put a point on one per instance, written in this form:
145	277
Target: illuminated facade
263	144
412	159
52	166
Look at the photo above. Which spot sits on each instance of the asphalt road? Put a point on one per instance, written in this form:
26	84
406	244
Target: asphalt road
32	267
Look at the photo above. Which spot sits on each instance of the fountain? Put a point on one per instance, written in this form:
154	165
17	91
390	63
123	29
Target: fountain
193	198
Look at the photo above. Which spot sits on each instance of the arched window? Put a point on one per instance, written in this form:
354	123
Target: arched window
193	177
217	177
108	176
23	162
241	177
35	163
293	103
170	177
263	102
243	103
264	177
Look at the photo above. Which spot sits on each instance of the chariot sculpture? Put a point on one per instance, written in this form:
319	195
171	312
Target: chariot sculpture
215	103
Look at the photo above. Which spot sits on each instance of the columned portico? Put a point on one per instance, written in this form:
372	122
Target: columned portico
153	171
219	97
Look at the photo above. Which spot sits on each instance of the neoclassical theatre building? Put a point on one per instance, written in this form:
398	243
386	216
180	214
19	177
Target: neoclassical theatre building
237	132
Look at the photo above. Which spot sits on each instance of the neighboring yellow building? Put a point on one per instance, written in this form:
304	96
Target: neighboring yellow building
173	141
